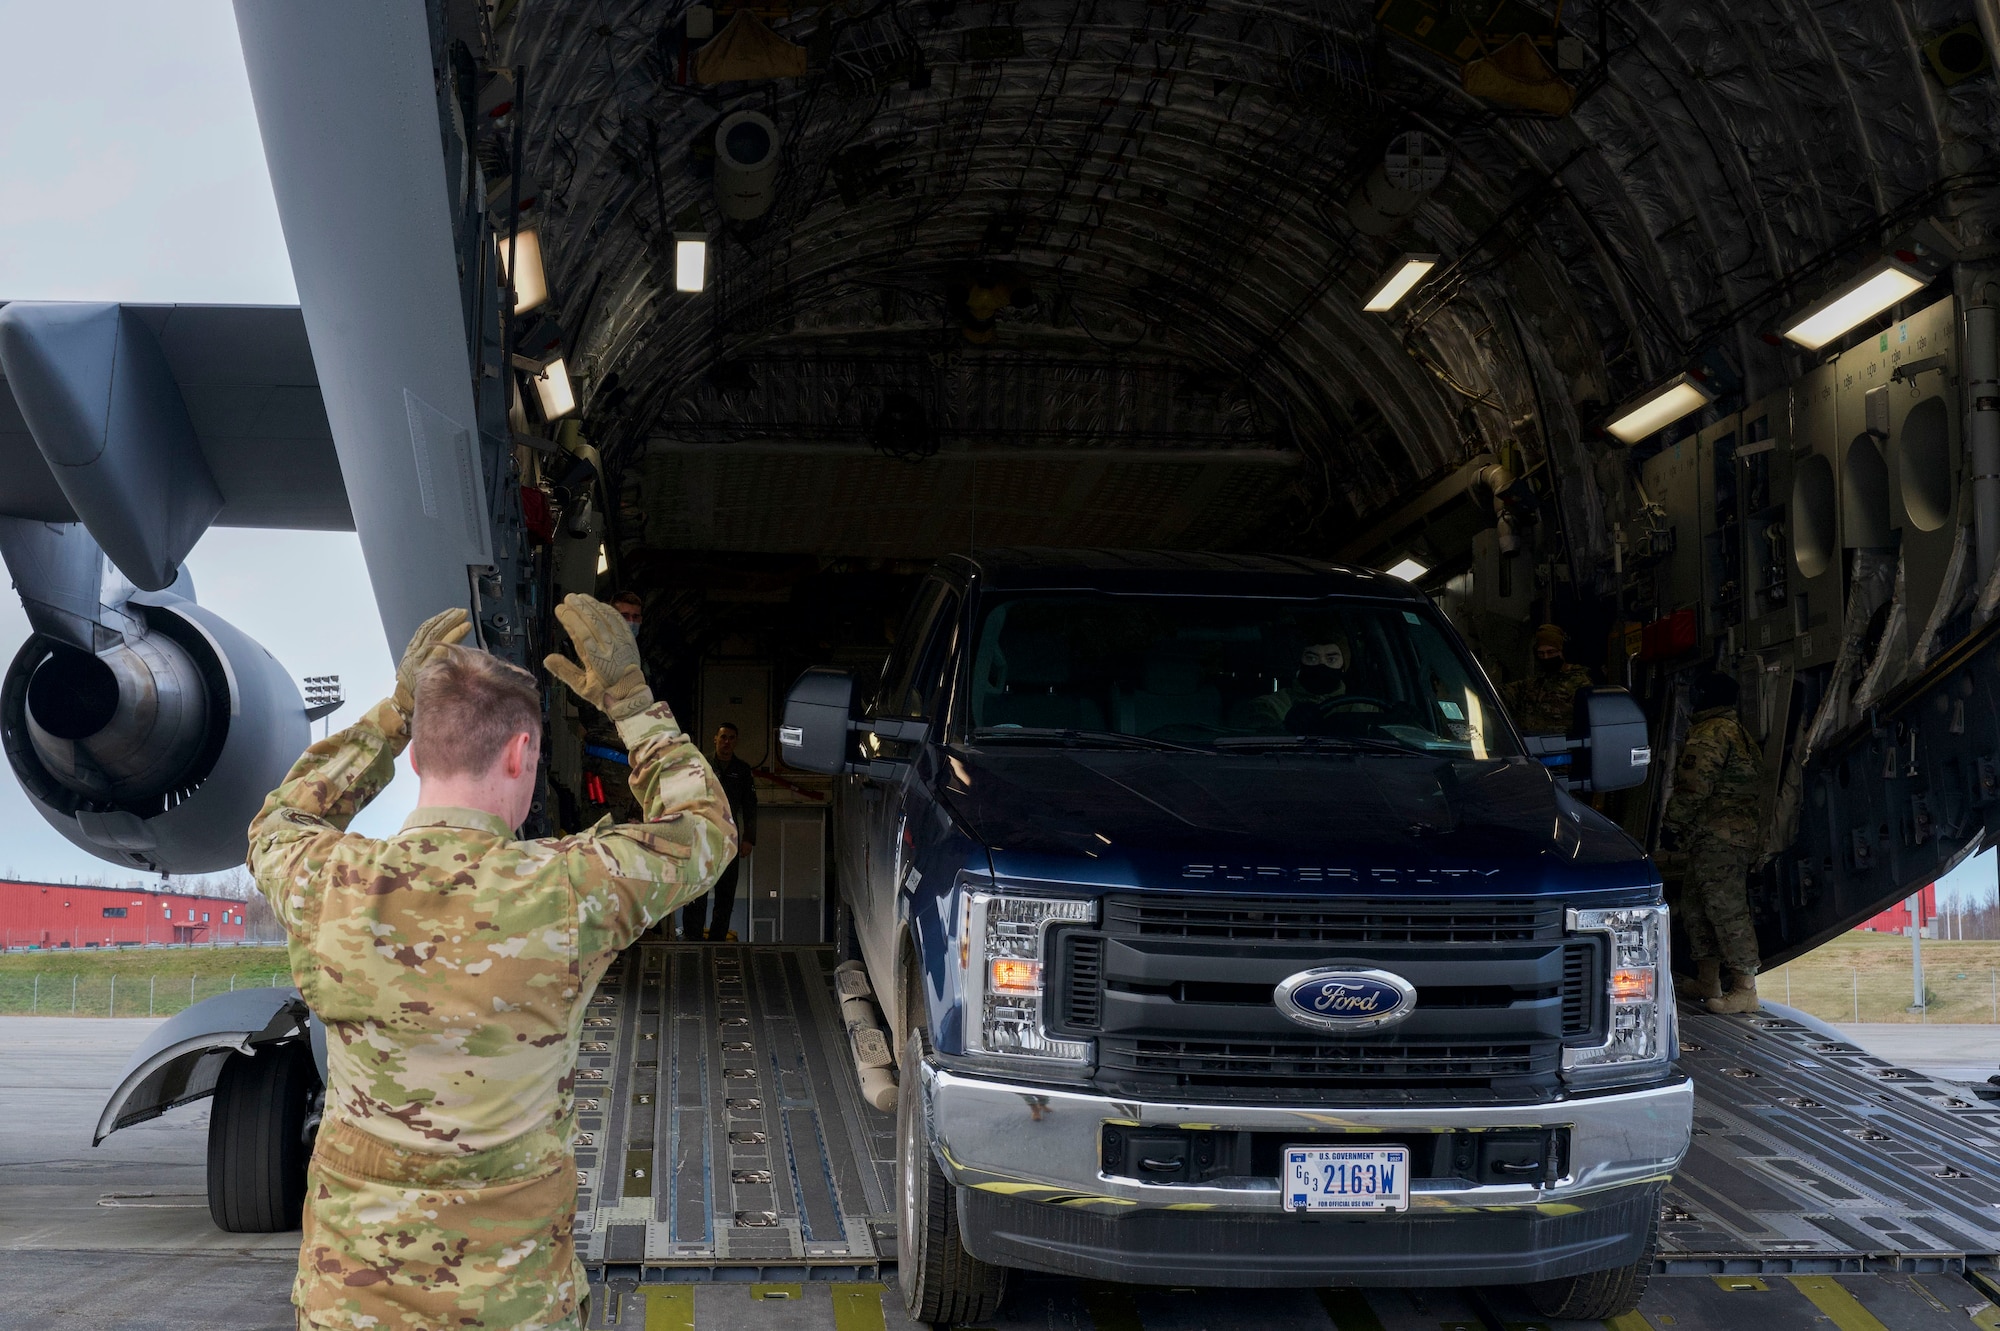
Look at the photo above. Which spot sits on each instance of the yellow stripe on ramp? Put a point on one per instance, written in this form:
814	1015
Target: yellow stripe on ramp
857	1306
669	1307
1842	1308
1628	1322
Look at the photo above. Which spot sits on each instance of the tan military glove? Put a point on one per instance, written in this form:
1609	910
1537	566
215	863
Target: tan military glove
440	630
609	678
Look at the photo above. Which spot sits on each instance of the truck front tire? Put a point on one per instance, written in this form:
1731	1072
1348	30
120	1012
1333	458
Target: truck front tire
257	1148
943	1284
1599	1296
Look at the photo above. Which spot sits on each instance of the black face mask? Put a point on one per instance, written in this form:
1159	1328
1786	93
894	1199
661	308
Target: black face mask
1319	678
1550	667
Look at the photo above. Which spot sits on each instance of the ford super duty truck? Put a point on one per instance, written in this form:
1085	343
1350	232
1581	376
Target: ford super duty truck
1229	933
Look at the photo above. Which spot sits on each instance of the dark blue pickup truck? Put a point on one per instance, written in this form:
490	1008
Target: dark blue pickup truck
1231	934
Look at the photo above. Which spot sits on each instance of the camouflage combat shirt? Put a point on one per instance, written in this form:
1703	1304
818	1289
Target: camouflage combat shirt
1715	795
1546	704
451	965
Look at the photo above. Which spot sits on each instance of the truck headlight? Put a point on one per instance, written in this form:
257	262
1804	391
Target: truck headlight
1638	993
1002	956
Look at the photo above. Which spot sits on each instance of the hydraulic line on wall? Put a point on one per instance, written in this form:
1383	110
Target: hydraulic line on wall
1982	433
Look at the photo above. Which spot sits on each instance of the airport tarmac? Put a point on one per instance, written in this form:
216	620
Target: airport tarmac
119	1236
1956	1053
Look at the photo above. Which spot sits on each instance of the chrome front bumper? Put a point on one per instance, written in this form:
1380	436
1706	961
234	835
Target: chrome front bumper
1044	1145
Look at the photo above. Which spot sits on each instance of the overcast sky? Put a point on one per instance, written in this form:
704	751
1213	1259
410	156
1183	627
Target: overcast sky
130	169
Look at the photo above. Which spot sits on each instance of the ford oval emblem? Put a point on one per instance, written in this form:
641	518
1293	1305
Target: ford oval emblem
1340	998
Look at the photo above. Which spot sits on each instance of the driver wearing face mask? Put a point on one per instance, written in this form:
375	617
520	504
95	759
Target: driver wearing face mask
1318	688
1545	702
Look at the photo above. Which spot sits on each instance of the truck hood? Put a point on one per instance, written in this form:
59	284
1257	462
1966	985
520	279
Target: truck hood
1286	822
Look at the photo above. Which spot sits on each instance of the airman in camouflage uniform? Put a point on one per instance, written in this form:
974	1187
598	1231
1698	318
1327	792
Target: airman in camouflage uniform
451	965
607	768
1545	702
1712	817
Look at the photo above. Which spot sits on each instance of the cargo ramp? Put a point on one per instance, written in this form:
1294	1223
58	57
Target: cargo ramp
724	1140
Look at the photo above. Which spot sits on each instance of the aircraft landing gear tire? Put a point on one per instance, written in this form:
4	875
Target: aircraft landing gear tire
1599	1296
257	1147
943	1284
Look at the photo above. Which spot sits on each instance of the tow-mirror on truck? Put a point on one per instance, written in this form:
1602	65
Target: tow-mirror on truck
818	734
1608	747
1229	933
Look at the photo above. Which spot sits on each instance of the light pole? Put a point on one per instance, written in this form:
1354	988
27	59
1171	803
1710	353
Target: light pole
1915	904
323	698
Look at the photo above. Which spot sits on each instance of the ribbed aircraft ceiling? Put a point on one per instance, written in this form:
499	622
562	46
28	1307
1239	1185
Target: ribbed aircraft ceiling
1166	193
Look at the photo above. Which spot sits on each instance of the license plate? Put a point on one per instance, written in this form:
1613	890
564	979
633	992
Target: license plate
1347	1178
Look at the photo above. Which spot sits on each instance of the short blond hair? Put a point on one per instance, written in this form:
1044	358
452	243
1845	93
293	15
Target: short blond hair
469	704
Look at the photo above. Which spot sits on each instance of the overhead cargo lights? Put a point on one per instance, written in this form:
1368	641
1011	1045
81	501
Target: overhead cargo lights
1398	282
1408	569
1659	407
553	393
1874	291
690	262
531	287
690	252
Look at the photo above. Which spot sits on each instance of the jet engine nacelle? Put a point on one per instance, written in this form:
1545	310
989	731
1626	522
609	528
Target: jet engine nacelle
154	752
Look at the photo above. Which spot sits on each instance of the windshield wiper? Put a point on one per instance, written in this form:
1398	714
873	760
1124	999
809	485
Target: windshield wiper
1083	737
1350	743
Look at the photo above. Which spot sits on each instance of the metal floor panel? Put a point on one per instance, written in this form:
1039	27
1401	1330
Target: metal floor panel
1813	1156
719	1122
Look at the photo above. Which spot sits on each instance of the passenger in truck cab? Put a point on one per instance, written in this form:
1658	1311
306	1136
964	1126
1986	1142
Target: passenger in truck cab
452	964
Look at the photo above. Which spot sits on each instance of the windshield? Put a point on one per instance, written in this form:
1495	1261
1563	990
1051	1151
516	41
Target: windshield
1227	673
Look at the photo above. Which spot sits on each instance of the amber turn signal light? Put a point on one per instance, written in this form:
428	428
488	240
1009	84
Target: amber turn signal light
1012	975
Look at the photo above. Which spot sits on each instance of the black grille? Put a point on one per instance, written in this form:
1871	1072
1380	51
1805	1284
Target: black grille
1335	920
1579	970
1083	982
1303	1063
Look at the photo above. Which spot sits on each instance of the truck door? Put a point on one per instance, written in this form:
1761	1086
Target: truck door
896	807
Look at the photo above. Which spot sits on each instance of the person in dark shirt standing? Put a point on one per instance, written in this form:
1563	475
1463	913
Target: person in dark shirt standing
738	782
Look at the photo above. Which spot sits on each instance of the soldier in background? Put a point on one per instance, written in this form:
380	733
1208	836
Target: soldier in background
739	782
452	965
1712	818
1545	702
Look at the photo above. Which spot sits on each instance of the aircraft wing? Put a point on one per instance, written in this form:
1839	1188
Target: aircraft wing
246	377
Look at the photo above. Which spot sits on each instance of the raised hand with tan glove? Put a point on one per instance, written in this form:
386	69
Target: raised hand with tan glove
439	631
609	677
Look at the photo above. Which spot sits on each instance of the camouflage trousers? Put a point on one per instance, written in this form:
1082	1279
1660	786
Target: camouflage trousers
1715	905
396	1240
